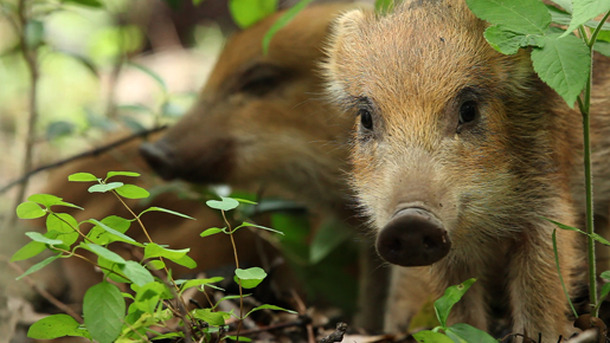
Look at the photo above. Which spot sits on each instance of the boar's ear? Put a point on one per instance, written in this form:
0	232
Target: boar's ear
347	23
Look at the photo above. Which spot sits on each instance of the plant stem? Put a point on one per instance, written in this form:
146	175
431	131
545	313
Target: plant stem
241	291
31	60
585	106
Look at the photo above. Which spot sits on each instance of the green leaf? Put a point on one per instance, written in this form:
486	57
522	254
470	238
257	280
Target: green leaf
452	295
226	204
87	3
604	292
595	236
111	229
522	16
212	231
64	225
508	42
137	273
160	209
469	333
328	237
103	252
38	237
239	338
30	210
585	10
121	173
178	256
104	310
246	13
269	307
427	336
250	277
385	6
82	177
563	64
282	21
605	275
256	226
103	188
29	250
210	317
55	326
38	266
132	192
199	282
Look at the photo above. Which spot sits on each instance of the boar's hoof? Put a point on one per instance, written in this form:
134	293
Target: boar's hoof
159	158
413	237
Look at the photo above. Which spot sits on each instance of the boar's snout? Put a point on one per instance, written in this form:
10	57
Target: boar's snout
159	157
413	237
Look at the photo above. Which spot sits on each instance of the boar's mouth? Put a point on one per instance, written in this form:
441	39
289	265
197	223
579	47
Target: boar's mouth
413	237
212	164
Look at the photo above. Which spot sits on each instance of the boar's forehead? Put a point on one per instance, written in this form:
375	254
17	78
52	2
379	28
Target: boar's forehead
422	55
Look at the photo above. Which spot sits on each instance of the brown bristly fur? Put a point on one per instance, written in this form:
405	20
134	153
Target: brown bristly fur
492	181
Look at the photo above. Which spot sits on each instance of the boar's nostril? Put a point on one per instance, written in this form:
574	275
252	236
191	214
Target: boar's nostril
414	237
159	159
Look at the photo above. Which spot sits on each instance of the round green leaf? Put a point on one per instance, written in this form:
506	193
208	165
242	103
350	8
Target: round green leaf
103	188
563	63
247	12
103	310
250	277
55	326
137	273
82	177
30	210
132	192
225	204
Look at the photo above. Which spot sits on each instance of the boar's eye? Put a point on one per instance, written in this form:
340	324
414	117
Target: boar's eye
260	79
366	119
468	111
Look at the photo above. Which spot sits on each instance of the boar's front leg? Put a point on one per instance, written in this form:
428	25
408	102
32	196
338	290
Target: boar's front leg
538	302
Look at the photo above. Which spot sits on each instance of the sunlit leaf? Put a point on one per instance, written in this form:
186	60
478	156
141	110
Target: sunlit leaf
103	310
55	326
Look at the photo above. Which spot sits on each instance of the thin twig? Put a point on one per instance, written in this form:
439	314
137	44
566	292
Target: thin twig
89	153
31	60
43	292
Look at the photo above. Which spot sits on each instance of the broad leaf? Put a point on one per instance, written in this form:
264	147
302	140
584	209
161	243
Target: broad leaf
508	42
559	64
245	13
452	295
30	210
121	173
210	317
132	192
103	252
104	310
250	277
178	256
212	231
469	333
585	10
522	16
428	336
225	204
82	177
55	326
103	188
137	273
